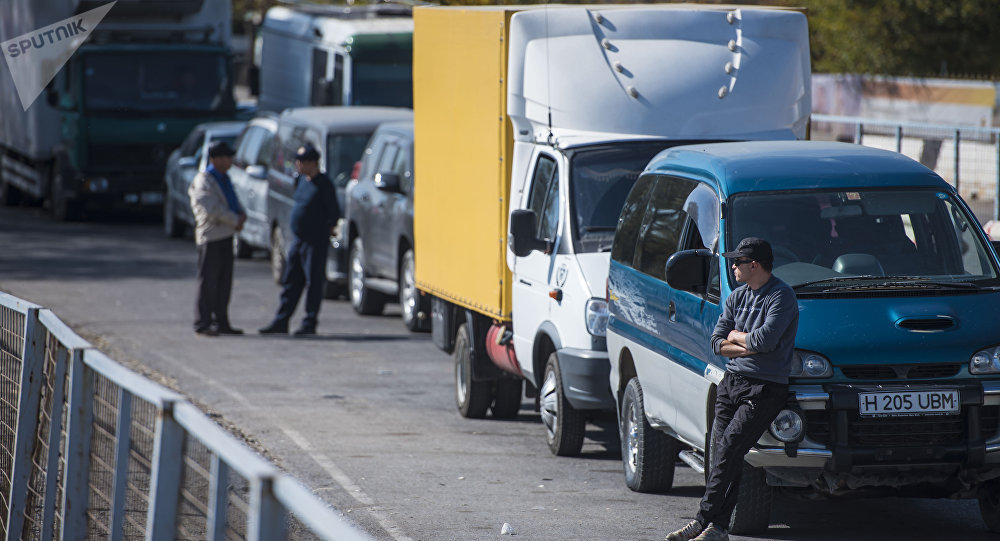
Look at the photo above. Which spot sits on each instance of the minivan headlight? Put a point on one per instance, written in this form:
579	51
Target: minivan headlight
806	364
986	361
597	317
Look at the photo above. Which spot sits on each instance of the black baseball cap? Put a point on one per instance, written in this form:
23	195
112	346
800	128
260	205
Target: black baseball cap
307	153
753	248
220	149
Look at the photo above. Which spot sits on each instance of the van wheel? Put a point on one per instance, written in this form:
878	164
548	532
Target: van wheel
648	455
411	301
507	402
277	254
989	507
241	250
364	301
172	227
753	502
564	425
472	397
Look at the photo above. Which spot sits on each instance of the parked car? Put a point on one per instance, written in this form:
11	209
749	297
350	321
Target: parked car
255	150
895	383
340	133
379	223
183	164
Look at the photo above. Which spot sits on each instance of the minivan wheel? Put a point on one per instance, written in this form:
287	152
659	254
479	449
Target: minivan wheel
472	397
564	425
410	300
277	254
364	301
648	455
989	507
753	502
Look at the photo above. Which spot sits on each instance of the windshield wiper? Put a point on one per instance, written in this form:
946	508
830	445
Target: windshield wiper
889	282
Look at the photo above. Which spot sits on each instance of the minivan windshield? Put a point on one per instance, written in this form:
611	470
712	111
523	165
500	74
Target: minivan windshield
866	239
600	180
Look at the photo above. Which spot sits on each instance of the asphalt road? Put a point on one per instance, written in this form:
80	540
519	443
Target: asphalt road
364	413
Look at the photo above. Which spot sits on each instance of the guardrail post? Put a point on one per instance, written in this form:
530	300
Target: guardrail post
218	493
858	133
123	436
266	517
54	437
164	491
79	429
29	396
899	139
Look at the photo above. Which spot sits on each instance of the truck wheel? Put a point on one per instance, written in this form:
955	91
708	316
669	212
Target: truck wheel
241	250
172	227
64	209
364	301
989	507
277	254
507	402
472	397
410	300
564	425
753	502
648	455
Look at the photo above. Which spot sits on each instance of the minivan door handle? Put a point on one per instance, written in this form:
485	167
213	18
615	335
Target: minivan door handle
672	311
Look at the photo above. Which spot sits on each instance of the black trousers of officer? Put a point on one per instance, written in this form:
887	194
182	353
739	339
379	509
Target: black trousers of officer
215	284
744	408
305	269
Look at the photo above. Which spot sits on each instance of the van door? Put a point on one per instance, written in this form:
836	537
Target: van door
532	274
381	249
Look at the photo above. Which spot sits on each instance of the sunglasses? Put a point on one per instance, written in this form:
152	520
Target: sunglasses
739	262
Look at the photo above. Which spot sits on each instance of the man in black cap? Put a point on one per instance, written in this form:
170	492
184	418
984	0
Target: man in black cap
218	216
756	332
313	218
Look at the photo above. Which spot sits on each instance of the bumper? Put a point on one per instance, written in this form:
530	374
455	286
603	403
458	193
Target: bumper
585	375
113	191
839	440
336	261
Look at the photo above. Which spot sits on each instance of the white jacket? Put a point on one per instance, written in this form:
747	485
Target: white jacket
212	217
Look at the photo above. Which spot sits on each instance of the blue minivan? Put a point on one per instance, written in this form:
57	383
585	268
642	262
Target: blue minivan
895	387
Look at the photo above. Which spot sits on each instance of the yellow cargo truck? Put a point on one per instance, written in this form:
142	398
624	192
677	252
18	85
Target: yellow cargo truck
531	125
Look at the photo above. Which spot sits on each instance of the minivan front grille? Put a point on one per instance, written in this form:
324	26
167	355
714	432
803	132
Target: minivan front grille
902	431
901	371
869	372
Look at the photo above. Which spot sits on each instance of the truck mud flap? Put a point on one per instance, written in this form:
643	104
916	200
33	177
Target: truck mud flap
483	368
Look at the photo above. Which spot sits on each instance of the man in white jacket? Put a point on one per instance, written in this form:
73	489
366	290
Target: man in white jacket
218	216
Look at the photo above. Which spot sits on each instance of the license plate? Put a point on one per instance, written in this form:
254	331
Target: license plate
937	402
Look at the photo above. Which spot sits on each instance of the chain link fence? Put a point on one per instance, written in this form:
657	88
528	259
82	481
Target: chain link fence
965	156
91	450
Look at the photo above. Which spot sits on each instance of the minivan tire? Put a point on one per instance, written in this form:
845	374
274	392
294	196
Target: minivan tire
277	254
507	402
753	502
989	506
564	425
473	398
364	301
649	456
411	302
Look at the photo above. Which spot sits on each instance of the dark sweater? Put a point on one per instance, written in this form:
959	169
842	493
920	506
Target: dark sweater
770	316
315	210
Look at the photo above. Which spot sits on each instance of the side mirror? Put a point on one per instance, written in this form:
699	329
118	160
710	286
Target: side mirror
187	161
687	270
258	172
387	182
522	238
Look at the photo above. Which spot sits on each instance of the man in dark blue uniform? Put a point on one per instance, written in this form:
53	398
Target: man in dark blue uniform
314	215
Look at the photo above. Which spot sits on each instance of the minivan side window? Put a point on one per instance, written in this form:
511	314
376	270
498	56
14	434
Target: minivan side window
266	148
247	151
544	197
660	236
630	221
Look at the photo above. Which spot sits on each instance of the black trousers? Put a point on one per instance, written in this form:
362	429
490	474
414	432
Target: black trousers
215	284
744	408
305	269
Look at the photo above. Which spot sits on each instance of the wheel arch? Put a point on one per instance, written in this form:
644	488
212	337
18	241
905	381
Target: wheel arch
626	371
545	343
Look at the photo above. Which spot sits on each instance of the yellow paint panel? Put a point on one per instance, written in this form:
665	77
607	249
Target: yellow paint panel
462	145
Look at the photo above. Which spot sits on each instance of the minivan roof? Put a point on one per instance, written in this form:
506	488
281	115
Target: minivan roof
339	118
790	165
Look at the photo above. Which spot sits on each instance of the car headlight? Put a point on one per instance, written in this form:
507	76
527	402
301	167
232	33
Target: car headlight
986	361
806	364
597	317
788	426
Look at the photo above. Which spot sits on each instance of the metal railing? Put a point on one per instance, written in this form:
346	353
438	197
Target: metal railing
92	450
966	156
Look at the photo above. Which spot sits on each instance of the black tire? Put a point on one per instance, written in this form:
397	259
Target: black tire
172	227
277	254
753	502
412	304
989	507
564	425
241	250
507	402
648	455
64	209
364	301
473	398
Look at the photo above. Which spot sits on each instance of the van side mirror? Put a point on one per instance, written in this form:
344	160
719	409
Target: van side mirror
258	172
688	270
186	162
387	182
522	238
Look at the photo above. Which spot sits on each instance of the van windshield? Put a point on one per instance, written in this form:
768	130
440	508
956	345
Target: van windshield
865	239
600	180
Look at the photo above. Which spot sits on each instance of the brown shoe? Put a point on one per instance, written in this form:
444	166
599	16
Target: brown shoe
687	533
